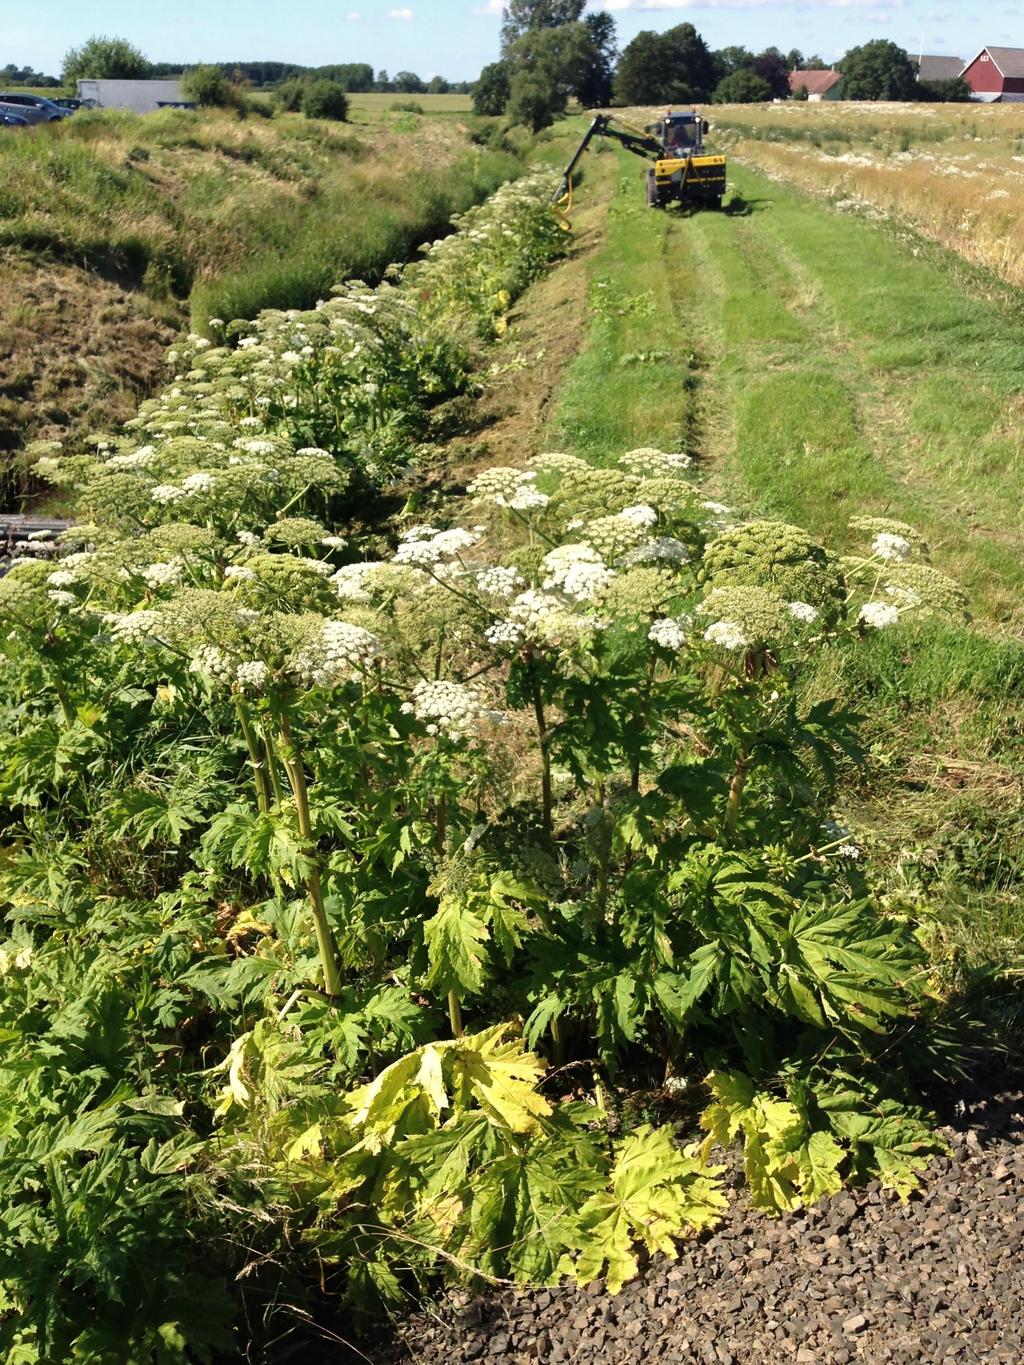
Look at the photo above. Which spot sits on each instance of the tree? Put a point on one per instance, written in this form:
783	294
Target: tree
490	94
742	87
208	87
674	67
878	70
771	66
384	82
101	58
596	87
558	58
955	90
289	93
408	83
438	86
730	59
524	16
325	99
531	101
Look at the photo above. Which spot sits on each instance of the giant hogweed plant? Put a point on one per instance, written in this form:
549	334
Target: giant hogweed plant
348	896
538	787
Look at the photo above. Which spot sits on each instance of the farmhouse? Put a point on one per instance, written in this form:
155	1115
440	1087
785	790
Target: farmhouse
996	74
820	85
141	97
932	68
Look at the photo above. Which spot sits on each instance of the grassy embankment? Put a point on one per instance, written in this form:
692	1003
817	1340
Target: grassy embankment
820	367
116	229
954	172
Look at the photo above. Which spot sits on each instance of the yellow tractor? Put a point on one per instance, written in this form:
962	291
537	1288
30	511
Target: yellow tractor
682	172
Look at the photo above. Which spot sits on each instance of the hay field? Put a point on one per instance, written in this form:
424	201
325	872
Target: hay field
955	173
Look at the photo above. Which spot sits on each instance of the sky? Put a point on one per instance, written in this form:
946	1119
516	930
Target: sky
454	38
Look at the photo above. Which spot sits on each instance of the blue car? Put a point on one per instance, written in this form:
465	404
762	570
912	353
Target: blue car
12	120
32	108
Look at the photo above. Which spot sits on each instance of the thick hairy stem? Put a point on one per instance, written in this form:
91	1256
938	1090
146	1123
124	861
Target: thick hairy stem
634	776
739	781
455	1015
256	760
325	940
544	740
557	1042
273	767
65	706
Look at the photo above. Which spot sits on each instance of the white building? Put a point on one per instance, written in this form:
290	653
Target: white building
141	97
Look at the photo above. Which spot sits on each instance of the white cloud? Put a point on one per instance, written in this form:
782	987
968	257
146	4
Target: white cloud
353	15
491	7
404	14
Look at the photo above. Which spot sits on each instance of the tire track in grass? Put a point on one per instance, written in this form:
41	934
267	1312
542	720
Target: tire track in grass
903	398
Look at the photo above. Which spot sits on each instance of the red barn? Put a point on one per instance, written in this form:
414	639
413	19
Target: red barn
996	73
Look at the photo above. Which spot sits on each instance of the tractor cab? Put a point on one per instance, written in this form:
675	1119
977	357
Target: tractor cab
680	135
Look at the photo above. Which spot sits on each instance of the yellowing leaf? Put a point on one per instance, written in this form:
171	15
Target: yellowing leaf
657	1194
502	1077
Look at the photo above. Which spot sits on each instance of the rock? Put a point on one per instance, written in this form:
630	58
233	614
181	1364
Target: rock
856	1323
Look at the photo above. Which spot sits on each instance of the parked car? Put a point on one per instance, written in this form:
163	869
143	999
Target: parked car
32	108
12	120
71	105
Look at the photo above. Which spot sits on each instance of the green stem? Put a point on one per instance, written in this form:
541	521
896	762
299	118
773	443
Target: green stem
256	761
544	740
65	706
273	769
739	781
652	664
455	1015
297	778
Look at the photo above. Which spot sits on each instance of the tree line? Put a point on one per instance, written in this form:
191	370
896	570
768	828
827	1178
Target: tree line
551	52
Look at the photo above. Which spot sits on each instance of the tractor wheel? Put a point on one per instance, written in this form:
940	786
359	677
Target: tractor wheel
716	201
652	191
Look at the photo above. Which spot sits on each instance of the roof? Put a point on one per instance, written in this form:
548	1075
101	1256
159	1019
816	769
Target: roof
931	68
814	82
1009	61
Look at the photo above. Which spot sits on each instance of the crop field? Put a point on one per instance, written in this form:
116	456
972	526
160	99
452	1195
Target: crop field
955	173
514	777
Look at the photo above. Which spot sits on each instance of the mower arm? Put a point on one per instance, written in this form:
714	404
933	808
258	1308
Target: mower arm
639	143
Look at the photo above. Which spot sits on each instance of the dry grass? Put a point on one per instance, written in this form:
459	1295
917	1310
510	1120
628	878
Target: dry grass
955	173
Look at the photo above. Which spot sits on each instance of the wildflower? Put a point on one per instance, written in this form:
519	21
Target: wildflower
133	627
888	546
239	571
333	542
802	611
433	548
668	633
666	548
163	574
850	851
198	483
248	538
62	578
525	498
578	570
450	709
62	598
499	581
727	634
252	676
212	662
878	614
164	493
342	651
640	515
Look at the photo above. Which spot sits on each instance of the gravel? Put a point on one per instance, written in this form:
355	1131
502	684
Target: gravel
858	1277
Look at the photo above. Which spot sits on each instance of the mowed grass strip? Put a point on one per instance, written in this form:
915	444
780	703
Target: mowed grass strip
893	387
820	369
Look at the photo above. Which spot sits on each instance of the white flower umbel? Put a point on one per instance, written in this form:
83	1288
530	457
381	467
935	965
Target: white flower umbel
448	708
212	662
199	482
61	598
669	633
164	573
887	546
578	571
433	547
664	548
639	515
499	581
350	580
878	614
133	627
62	578
526	498
248	538
252	676
164	493
343	651
802	611
239	571
850	851
726	634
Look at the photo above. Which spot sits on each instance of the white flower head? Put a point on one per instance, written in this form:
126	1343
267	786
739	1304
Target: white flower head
499	581
888	546
726	634
878	614
200	482
640	515
164	493
802	611
252	675
449	709
669	633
